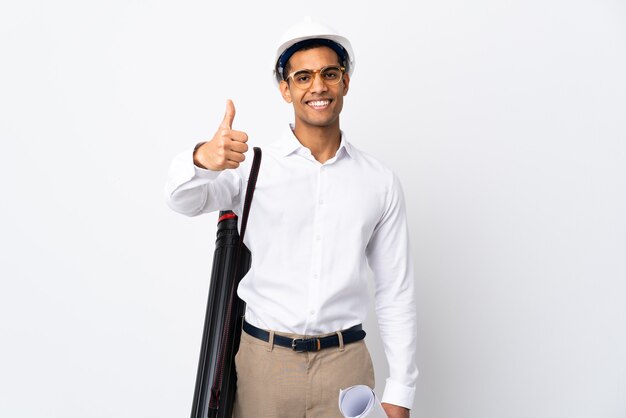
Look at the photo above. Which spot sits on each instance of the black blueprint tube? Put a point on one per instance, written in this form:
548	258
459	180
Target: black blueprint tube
214	394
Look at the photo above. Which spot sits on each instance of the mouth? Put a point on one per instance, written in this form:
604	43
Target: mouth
319	104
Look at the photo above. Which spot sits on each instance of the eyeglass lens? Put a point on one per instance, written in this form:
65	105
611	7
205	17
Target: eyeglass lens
330	76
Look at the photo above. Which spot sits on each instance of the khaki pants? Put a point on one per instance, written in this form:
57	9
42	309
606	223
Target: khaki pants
276	382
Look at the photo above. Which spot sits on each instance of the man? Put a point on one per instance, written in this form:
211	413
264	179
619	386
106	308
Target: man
322	212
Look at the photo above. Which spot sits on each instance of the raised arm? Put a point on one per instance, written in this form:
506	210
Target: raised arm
209	178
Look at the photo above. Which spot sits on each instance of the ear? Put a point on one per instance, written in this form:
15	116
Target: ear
346	83
284	91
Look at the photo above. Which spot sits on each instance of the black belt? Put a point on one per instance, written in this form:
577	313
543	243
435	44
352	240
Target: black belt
349	335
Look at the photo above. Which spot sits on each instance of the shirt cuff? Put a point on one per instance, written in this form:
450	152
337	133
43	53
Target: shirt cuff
398	394
203	173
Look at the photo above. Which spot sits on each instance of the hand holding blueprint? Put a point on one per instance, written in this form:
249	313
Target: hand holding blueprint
360	401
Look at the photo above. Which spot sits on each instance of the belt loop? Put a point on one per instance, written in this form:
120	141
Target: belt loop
270	342
340	335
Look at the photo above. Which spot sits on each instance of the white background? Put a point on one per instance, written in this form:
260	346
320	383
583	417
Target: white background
503	119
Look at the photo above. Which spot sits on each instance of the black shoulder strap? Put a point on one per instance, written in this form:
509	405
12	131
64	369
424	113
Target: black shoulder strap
254	173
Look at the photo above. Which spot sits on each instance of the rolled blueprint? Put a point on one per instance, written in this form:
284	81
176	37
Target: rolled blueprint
360	401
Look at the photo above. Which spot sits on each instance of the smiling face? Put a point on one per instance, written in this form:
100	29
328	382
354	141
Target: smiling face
319	105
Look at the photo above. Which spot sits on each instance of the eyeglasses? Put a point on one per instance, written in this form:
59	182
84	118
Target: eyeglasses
331	75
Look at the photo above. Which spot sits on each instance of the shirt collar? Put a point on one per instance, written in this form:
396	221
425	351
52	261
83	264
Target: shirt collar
289	144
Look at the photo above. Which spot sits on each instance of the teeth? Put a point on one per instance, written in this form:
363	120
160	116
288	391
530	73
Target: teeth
319	103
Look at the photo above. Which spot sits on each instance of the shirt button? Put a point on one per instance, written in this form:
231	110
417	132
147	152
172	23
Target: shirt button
312	312
321	201
315	276
317	238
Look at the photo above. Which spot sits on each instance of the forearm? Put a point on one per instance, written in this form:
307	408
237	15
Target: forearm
399	341
192	190
396	311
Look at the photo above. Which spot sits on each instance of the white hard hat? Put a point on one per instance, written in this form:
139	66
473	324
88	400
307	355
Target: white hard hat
310	29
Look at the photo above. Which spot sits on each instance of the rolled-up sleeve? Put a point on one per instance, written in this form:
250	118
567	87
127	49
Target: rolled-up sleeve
389	257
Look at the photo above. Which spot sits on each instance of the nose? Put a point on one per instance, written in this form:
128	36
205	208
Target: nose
318	85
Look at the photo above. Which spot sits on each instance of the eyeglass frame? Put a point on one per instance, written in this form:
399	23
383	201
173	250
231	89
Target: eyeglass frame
315	72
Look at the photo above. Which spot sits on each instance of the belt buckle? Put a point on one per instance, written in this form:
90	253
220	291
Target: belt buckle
294	343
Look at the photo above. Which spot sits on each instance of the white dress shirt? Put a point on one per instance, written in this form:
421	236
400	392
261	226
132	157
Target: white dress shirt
313	230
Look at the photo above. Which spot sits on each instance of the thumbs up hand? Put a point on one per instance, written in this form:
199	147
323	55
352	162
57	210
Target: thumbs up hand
227	147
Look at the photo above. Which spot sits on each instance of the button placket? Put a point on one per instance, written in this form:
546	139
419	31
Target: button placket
316	255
